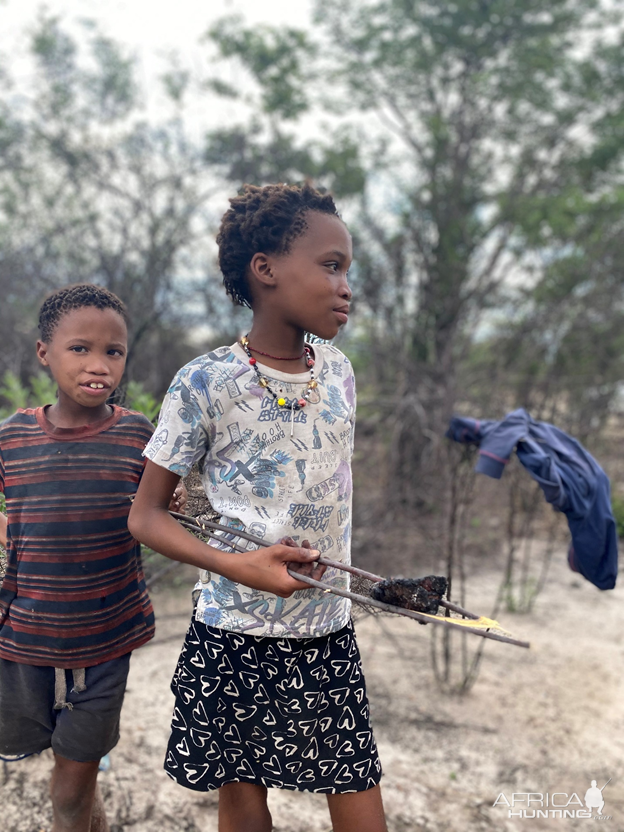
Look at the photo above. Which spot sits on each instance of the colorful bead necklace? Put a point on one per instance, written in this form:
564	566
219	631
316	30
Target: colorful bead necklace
310	395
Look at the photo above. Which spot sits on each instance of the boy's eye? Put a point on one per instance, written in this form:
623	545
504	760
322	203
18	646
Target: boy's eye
116	352
78	349
333	266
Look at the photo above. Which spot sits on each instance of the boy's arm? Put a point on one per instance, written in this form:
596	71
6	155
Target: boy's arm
3	530
151	523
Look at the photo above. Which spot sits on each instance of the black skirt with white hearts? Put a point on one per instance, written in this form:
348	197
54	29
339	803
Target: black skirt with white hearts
282	713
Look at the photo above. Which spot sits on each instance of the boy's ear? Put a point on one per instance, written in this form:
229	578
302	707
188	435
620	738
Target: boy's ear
260	269
42	353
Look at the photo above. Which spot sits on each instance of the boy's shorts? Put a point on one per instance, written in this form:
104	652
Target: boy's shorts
84	733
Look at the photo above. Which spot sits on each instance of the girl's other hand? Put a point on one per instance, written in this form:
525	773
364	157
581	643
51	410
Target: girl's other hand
179	498
311	569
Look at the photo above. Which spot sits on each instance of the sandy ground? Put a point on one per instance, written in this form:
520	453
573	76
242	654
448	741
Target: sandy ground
545	720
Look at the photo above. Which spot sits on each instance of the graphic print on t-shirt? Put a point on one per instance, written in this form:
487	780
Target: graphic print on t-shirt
267	466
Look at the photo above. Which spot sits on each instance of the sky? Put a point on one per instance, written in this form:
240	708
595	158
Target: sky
151	30
150	26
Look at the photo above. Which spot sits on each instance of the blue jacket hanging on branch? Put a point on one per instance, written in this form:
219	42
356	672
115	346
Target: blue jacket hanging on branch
569	476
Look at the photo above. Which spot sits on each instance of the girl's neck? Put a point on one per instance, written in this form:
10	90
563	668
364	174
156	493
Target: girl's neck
278	346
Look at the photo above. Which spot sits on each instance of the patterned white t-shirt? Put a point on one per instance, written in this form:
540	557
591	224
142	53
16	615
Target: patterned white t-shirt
269	471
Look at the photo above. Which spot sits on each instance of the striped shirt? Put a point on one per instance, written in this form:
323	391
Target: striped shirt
74	594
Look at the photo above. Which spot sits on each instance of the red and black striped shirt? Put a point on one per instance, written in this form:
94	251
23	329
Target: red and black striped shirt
74	594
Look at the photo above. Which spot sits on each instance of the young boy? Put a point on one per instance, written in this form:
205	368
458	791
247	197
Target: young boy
73	604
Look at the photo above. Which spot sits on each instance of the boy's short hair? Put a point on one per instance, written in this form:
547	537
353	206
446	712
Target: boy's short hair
78	296
263	219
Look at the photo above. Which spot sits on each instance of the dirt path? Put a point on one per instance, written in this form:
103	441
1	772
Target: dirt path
546	720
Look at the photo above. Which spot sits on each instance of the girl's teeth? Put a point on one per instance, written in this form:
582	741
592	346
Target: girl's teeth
95	386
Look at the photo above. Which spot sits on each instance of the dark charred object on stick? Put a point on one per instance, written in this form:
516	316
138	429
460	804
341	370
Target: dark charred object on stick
419	594
212	529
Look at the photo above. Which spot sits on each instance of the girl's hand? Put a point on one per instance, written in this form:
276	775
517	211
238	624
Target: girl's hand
267	569
179	498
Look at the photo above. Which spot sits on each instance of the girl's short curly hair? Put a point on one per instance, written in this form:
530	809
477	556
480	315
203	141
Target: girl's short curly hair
263	219
79	295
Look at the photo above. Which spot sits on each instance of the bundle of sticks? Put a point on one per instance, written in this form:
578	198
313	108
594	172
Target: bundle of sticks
417	598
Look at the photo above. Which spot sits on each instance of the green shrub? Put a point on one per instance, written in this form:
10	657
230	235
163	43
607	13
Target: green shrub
41	389
617	505
137	398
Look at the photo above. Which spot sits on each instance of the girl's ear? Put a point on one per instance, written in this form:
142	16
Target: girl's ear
42	353
260	269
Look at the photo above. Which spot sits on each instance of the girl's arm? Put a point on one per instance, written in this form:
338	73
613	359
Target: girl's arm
3	530
150	523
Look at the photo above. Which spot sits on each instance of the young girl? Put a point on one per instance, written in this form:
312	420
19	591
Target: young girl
269	689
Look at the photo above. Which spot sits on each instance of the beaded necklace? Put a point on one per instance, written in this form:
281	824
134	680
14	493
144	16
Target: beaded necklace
310	395
279	357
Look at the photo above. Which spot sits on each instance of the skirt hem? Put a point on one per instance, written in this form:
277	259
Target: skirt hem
267	783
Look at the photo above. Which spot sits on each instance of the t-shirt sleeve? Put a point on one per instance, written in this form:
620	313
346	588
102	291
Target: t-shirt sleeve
351	399
181	437
147	426
144	431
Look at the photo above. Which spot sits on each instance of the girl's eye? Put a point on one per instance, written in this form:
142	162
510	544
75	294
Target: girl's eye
333	266
78	349
116	352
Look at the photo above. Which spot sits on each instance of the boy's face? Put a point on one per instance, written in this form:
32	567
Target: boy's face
86	356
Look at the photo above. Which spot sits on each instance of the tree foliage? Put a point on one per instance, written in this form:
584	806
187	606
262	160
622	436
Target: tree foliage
90	191
490	174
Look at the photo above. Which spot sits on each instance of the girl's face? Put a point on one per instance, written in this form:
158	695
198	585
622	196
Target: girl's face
309	284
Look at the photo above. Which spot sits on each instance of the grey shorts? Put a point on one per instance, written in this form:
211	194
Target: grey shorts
84	733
